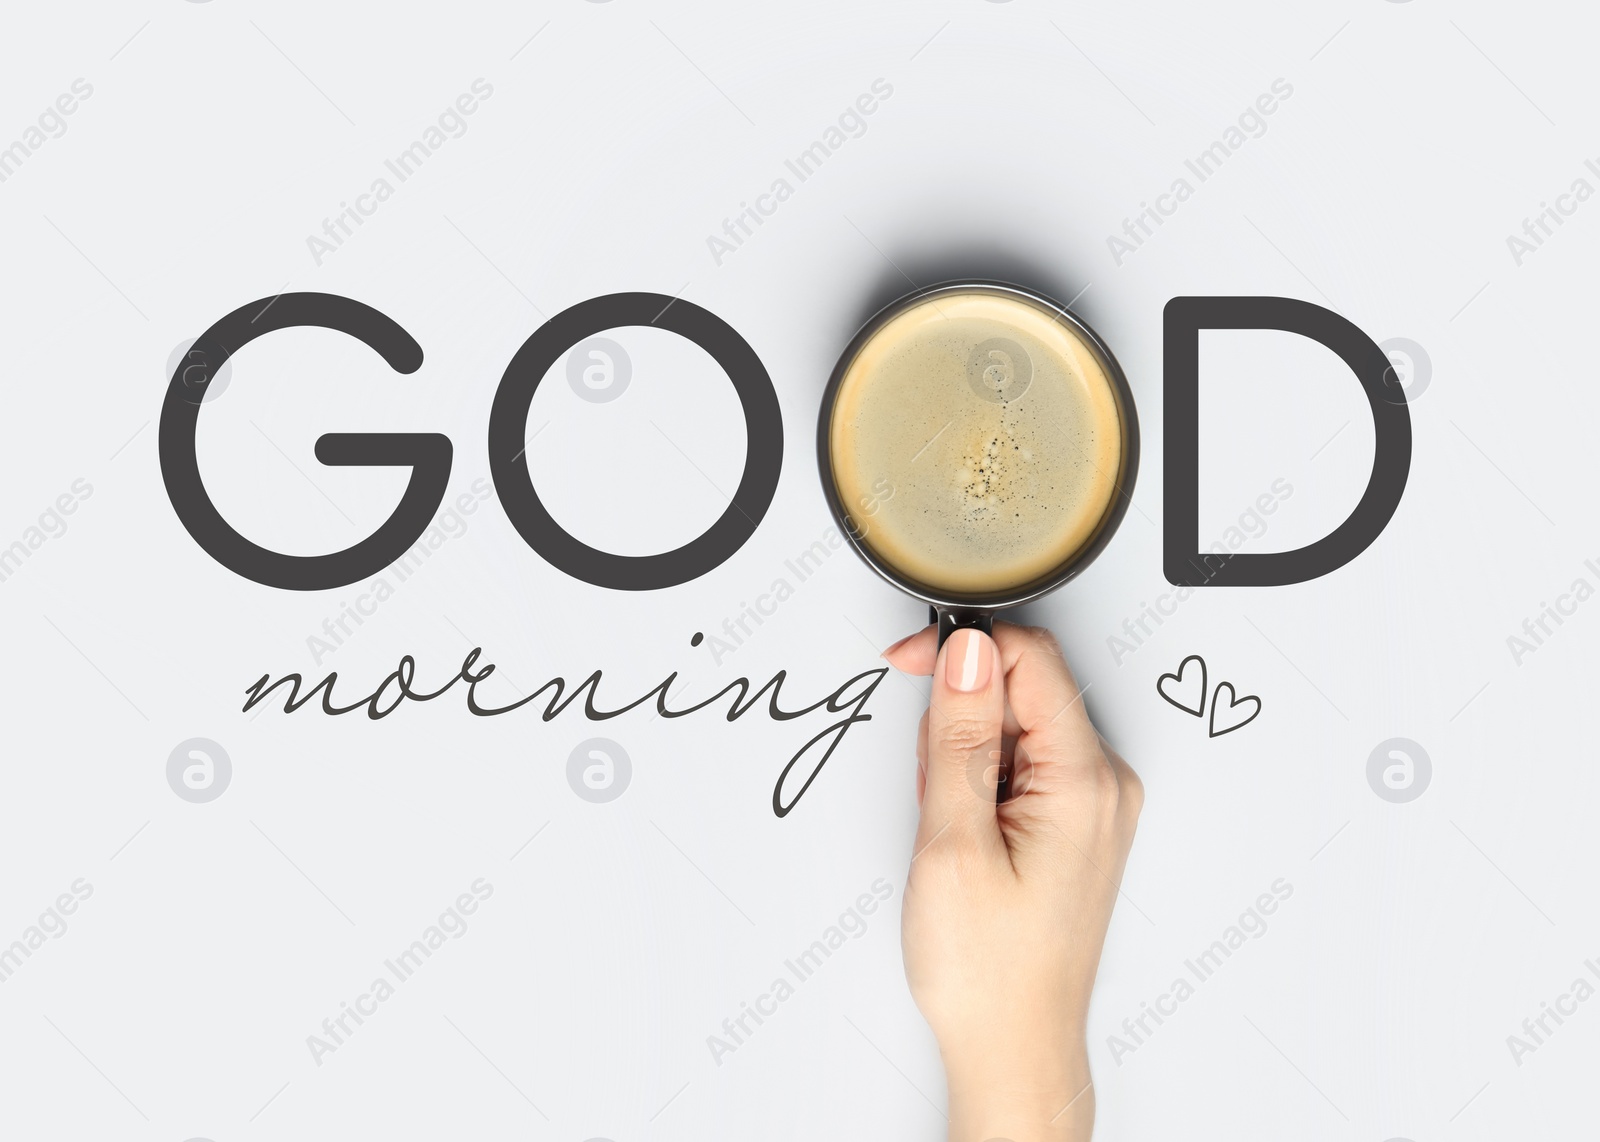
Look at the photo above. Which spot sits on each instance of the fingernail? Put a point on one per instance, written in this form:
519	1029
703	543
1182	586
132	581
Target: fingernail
968	660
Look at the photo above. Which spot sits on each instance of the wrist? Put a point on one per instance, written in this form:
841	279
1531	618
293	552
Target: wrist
1037	1093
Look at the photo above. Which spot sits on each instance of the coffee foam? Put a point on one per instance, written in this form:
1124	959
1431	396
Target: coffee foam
975	443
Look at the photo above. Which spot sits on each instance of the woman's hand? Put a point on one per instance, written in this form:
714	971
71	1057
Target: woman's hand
1006	906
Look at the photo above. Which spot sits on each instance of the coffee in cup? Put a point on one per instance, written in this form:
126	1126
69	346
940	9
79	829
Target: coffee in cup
978	444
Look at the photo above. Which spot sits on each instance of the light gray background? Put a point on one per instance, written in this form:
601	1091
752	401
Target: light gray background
618	137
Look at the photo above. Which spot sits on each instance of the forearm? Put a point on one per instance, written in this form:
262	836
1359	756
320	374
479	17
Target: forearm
1030	1095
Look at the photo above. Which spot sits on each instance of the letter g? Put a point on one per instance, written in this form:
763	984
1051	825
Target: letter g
427	454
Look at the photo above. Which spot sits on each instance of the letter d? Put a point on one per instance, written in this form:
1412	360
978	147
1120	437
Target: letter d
1391	458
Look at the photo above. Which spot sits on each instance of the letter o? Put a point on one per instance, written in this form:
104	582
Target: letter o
508	426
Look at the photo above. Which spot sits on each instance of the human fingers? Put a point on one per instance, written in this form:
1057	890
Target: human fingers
916	653
922	757
1041	691
966	716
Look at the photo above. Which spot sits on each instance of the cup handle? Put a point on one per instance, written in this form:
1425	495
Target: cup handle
952	619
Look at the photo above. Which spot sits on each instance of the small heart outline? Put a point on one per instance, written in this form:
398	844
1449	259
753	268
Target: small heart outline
1234	701
1178	678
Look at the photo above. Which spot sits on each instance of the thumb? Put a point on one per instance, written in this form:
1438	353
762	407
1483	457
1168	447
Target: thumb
966	716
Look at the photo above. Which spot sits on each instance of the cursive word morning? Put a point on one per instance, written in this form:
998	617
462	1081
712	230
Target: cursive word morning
849	698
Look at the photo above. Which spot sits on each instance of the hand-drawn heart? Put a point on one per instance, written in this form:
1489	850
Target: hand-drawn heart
1198	706
1232	719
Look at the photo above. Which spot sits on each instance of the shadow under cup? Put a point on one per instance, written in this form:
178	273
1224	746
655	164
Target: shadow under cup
999	384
